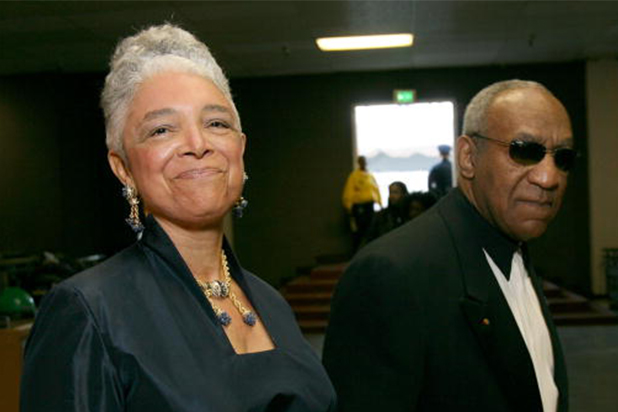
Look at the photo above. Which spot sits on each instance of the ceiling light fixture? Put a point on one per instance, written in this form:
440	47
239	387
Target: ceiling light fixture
380	41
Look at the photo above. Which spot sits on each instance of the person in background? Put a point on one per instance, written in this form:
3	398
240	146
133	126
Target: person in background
418	202
447	313
173	323
441	175
394	215
360	195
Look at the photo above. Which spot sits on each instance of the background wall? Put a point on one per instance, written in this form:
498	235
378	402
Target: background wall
30	178
300	153
57	191
602	97
60	194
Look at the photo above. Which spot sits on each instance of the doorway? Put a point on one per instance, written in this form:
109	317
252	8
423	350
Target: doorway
400	141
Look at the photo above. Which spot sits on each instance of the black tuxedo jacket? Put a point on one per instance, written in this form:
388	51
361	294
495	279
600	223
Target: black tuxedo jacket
419	322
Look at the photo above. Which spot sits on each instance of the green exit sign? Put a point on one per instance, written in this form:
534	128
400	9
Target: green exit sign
404	96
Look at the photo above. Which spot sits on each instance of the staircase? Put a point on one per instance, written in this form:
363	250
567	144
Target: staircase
310	295
570	309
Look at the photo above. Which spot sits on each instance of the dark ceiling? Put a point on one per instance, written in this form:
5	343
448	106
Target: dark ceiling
263	38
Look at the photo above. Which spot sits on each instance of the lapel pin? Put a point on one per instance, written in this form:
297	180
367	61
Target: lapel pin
485	322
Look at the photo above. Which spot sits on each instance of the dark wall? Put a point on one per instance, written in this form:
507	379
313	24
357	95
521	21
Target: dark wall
58	193
30	179
300	139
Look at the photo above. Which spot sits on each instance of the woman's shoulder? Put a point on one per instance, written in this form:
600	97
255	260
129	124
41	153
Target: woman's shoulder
108	275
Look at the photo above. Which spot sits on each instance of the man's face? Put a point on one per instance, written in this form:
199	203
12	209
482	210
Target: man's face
519	199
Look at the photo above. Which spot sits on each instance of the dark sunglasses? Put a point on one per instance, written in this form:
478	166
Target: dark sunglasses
528	153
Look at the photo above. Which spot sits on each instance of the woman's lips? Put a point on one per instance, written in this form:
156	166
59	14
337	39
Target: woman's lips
199	173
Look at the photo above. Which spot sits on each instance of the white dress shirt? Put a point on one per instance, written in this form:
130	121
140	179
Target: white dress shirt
524	305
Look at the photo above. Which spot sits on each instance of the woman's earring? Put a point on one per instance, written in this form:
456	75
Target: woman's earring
130	194
239	207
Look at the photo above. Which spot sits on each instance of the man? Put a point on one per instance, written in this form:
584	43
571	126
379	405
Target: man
440	179
359	195
446	312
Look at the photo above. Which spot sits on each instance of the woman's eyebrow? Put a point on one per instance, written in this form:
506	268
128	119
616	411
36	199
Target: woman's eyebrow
158	113
216	108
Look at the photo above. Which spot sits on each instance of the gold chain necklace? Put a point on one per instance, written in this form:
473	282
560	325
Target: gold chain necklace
222	289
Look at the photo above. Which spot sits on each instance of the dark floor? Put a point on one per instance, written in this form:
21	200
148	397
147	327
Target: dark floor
592	361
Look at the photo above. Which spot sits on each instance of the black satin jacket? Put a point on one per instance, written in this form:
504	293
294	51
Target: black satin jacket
137	334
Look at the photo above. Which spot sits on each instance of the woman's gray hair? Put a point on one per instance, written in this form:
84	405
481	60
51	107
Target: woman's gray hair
154	50
475	116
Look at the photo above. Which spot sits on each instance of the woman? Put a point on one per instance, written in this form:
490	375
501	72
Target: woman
173	323
393	216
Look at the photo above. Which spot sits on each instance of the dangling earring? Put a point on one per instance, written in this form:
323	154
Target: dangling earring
130	194
239	207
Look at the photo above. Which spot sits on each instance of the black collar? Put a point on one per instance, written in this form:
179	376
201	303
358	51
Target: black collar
499	246
156	239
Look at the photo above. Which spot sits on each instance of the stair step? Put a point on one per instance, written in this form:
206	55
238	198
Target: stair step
333	271
313	312
586	318
313	298
551	290
305	285
568	303
313	325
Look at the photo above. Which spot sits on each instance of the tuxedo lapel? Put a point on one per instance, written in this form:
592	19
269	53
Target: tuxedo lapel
488	313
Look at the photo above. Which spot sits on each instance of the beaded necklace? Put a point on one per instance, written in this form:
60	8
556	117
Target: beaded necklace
222	289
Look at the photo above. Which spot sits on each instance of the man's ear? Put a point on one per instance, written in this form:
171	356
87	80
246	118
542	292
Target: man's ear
120	169
466	156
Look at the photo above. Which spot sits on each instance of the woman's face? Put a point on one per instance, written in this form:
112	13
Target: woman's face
395	195
183	150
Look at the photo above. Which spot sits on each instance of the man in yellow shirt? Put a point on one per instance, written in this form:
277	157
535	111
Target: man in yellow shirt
359	195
